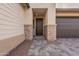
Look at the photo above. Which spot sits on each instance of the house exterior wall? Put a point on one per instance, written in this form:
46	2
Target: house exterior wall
50	23
16	25
28	24
49	20
11	27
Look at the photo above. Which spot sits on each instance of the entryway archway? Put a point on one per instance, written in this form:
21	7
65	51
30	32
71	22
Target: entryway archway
38	21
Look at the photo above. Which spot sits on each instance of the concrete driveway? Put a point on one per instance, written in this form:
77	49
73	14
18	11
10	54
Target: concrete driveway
60	47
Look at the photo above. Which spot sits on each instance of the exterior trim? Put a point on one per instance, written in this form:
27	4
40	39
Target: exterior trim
67	14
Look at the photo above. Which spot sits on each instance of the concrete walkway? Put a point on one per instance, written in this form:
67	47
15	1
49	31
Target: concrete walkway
40	47
60	47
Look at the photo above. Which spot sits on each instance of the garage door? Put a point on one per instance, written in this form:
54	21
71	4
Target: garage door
67	27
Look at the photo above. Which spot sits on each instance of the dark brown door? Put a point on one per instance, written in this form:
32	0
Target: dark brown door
39	26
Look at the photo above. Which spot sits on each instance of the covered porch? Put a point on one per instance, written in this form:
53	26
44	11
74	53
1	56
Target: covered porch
43	21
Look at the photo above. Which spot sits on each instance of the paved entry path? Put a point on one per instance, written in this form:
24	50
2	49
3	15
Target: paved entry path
60	47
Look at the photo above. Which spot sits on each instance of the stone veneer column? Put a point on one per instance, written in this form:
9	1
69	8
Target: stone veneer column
28	32
51	32
28	24
50	27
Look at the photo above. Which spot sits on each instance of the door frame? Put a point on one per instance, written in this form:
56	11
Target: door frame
35	24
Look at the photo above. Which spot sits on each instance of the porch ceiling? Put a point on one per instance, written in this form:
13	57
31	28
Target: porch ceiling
39	12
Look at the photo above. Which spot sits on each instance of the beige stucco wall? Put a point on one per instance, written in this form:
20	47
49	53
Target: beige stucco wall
50	16
11	26
28	17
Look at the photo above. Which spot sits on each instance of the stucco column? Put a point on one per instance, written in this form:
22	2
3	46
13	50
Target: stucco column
51	23
28	24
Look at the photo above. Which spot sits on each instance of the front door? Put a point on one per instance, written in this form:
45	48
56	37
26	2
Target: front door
39	26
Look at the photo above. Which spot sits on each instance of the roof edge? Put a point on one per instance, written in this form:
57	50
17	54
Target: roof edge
25	5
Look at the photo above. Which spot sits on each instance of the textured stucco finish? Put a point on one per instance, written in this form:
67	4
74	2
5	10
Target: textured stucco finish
28	17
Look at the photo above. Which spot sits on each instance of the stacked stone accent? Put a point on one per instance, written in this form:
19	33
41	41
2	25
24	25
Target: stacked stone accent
45	32
28	32
50	32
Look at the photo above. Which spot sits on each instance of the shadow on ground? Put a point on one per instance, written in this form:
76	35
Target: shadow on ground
22	49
